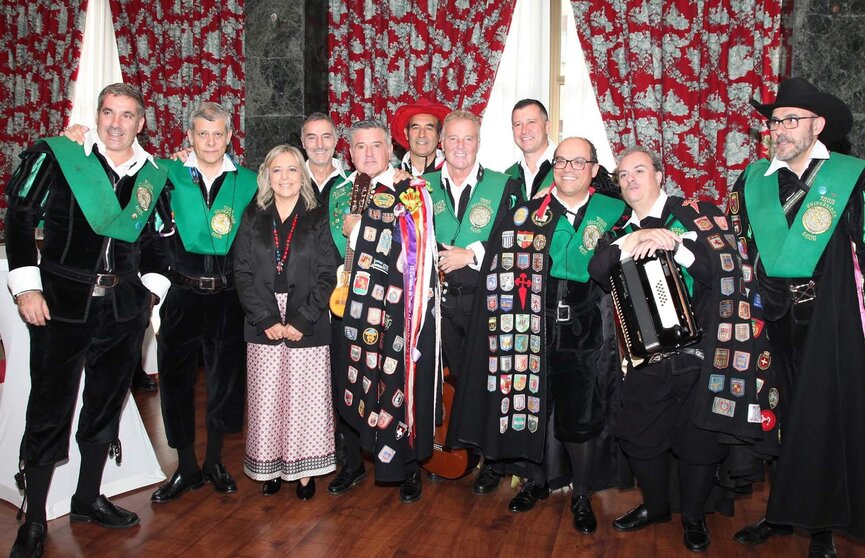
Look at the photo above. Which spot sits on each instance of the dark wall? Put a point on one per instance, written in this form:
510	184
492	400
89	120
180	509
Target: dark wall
828	40
286	71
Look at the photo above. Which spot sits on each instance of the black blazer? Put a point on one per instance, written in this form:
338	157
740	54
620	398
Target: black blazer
311	275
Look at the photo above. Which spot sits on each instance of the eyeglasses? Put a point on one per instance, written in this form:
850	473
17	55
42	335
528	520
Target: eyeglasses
790	122
577	164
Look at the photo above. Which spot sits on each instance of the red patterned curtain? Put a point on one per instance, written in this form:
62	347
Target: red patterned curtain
39	47
676	76
384	54
180	53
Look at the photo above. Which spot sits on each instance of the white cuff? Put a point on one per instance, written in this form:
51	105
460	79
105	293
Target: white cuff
156	283
477	248
619	242
683	256
23	279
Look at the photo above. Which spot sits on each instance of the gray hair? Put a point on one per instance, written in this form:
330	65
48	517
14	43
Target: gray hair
211	112
318	117
371	124
265	192
654	157
122	90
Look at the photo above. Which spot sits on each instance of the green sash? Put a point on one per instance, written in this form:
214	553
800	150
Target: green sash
202	230
675	226
514	172
794	251
480	213
338	205
572	263
96	197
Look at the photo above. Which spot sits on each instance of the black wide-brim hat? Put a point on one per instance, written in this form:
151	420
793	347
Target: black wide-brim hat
404	113
799	93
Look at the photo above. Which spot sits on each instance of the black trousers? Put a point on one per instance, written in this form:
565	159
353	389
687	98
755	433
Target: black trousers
455	321
347	437
211	324
107	351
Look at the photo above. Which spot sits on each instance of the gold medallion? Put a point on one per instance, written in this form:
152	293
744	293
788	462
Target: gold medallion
144	197
591	234
541	220
221	223
479	216
817	219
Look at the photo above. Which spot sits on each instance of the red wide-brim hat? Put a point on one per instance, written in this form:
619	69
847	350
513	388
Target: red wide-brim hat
404	113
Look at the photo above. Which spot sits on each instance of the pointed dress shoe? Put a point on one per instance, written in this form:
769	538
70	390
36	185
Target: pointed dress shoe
487	481
528	496
219	476
584	517
30	542
760	532
176	486
638	518
143	381
411	489
696	537
102	512
271	487
822	545
346	480
306	492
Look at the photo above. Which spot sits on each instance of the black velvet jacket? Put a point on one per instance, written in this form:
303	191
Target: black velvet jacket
71	249
311	275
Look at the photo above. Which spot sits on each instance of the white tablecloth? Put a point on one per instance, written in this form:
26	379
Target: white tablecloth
139	467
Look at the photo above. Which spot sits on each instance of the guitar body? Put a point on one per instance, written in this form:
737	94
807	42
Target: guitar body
446	462
339	296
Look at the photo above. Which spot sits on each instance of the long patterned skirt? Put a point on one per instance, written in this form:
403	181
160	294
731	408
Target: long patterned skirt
290	413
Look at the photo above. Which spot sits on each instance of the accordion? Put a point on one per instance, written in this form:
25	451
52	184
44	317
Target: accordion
653	306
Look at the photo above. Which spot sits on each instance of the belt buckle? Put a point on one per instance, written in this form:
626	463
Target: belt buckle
563	312
106	280
98	291
207	283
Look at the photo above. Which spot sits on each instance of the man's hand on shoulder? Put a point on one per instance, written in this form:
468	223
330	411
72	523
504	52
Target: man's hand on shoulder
75	132
33	308
182	155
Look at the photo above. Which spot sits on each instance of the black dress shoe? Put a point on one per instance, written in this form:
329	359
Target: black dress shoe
30	542
306	492
220	477
346	480
696	534
528	496
144	381
176	486
102	512
271	487
638	518
822	545
487	481
411	489
584	518
759	532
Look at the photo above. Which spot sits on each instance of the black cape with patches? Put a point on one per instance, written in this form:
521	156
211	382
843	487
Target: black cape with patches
820	479
372	387
480	417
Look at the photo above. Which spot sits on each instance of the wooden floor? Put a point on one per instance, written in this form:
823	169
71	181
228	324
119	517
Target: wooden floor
370	521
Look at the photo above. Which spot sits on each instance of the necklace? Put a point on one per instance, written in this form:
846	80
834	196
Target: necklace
281	255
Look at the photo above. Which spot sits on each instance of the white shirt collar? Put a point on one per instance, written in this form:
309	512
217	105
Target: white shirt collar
656	211
470	180
547	156
130	167
406	162
567	206
227	166
819	151
385	178
337	171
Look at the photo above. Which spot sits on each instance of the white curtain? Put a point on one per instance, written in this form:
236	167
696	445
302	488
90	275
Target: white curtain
99	65
524	72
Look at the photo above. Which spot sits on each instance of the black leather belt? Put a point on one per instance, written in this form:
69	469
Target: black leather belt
459	290
207	284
